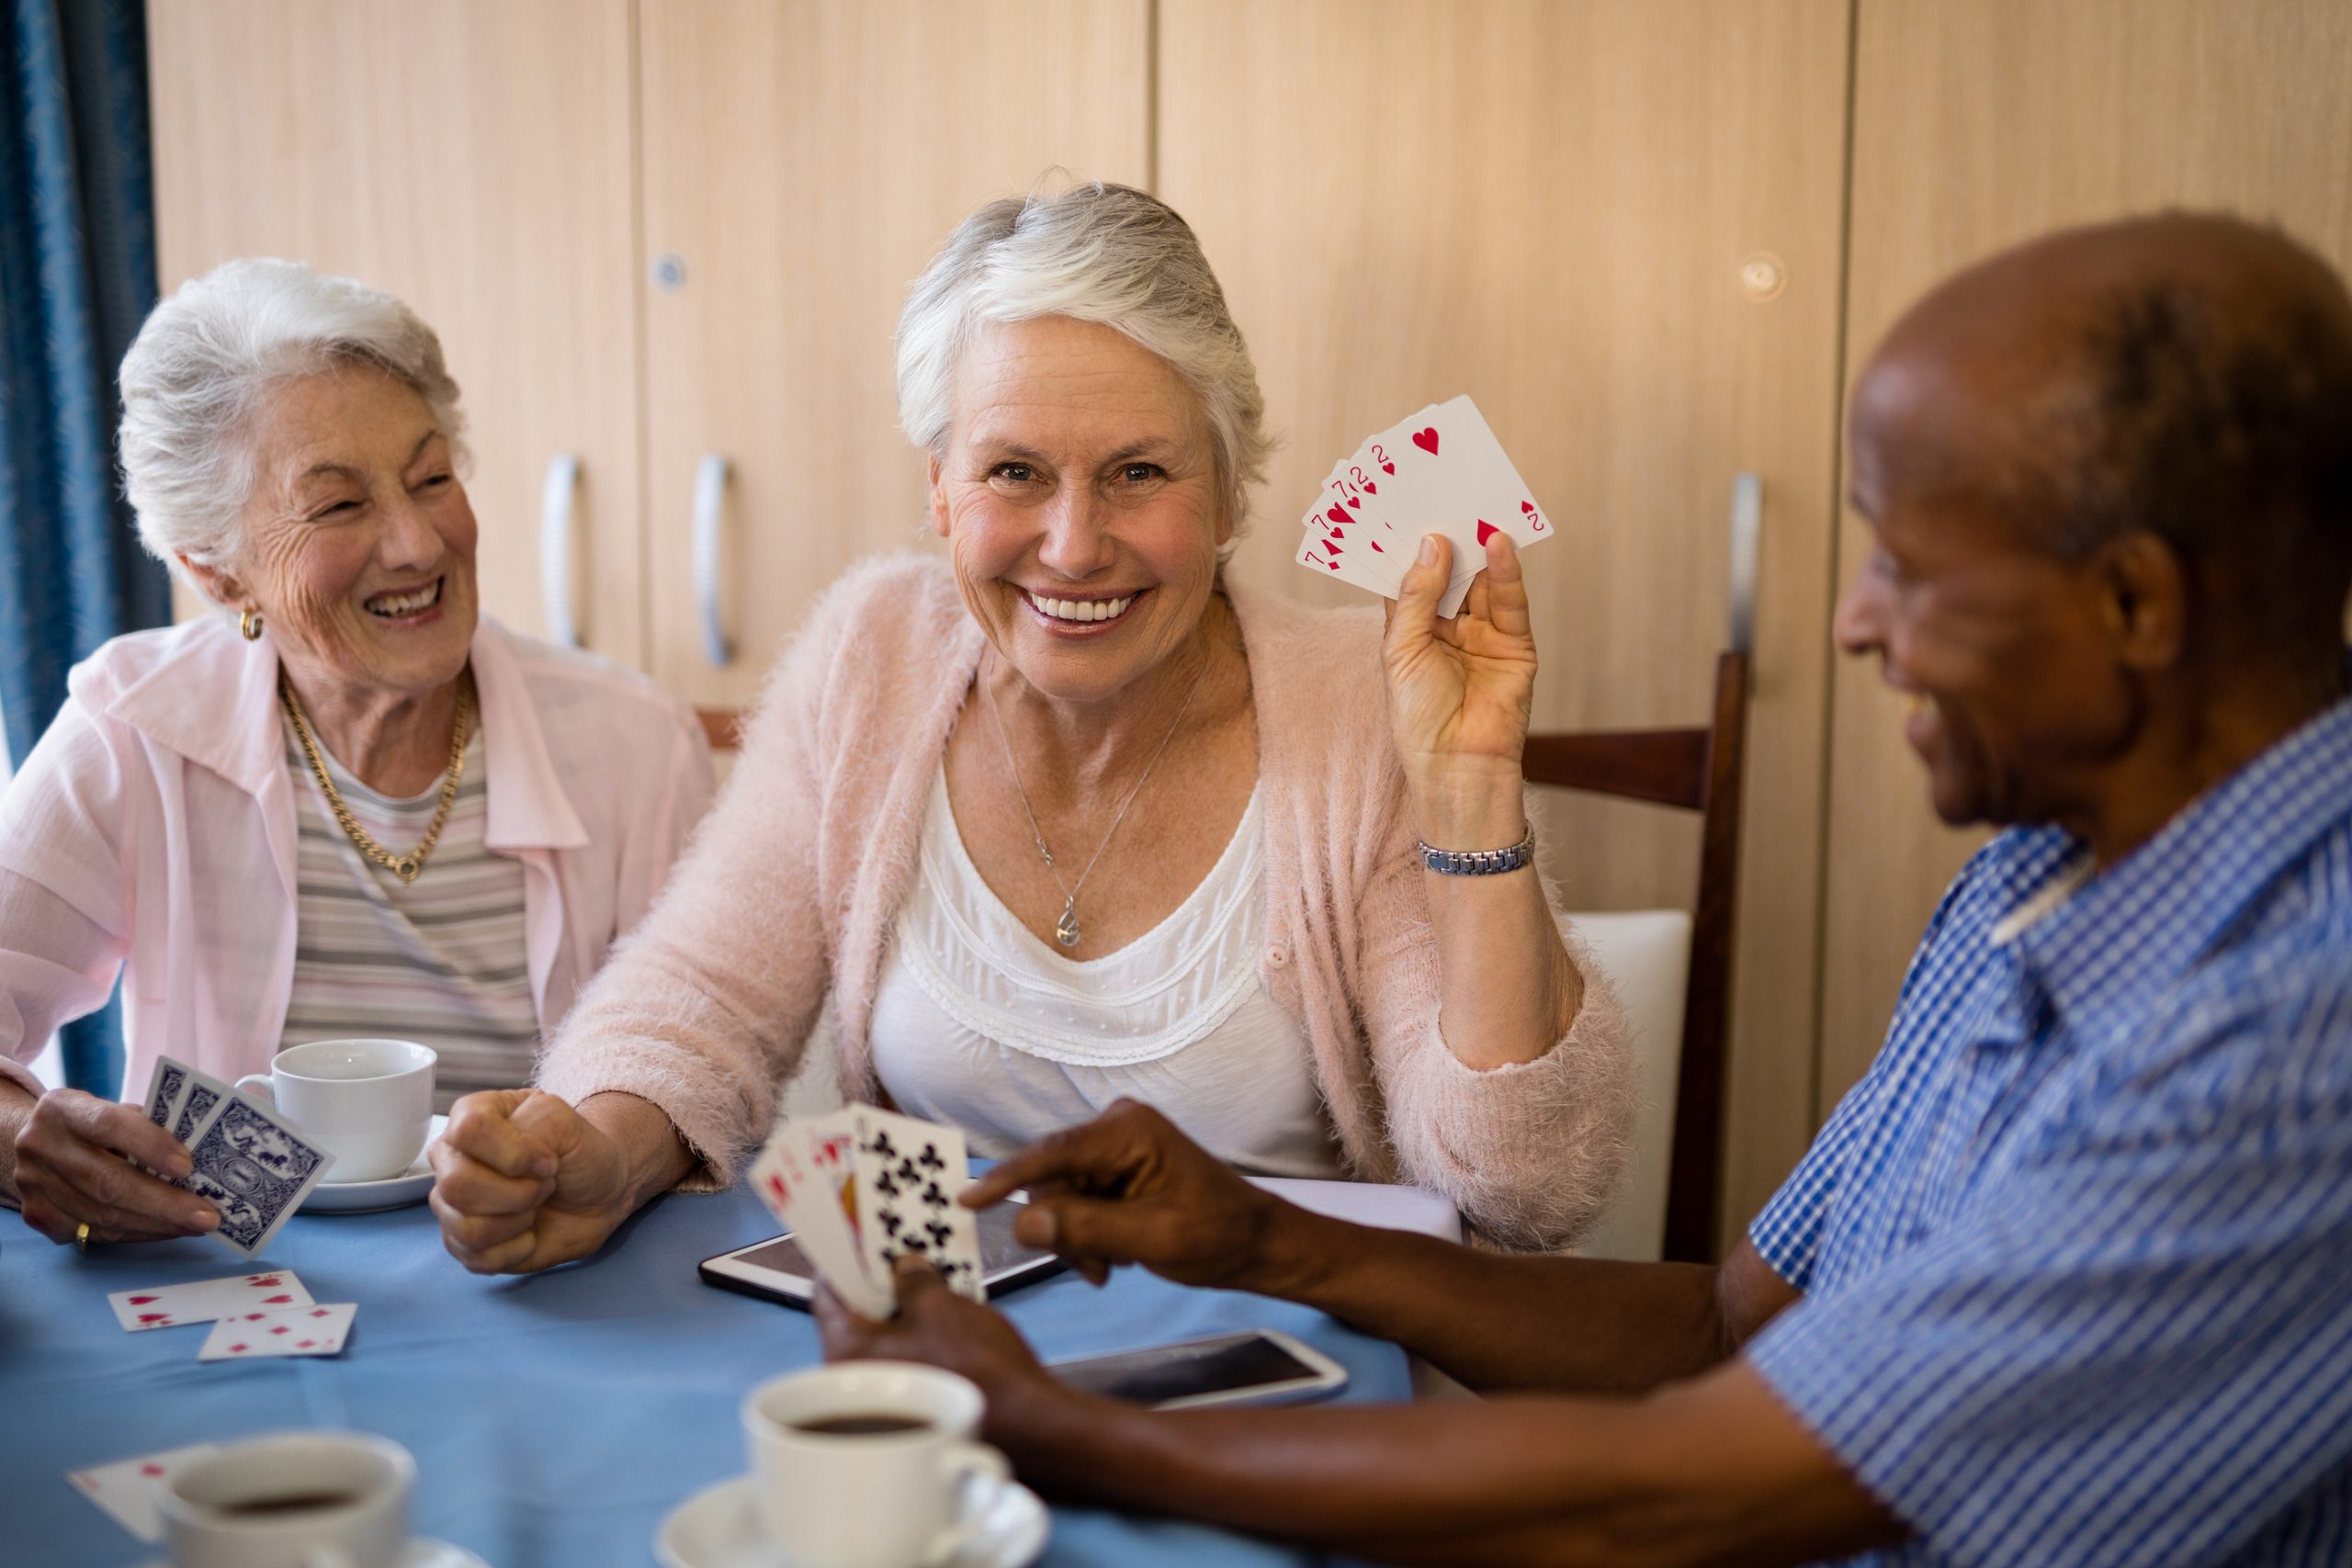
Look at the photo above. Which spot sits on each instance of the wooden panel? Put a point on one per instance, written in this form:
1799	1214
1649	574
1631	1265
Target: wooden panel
803	160
1976	126
1549	205
475	160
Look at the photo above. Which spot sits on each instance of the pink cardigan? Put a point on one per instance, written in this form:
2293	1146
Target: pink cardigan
791	891
151	834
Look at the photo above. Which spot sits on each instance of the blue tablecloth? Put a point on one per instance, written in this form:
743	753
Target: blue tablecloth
554	1418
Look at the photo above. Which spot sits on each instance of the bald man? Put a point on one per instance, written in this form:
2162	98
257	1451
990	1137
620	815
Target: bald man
2067	1278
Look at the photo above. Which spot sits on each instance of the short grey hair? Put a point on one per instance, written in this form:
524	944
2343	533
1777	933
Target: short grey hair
202	364
1094	253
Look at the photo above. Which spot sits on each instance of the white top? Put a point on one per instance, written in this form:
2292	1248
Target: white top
440	960
978	1023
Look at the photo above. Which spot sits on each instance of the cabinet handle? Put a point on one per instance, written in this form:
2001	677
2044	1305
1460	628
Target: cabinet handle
710	495
1747	524
555	548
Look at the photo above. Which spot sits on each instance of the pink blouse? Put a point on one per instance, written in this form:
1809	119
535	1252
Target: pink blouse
151	835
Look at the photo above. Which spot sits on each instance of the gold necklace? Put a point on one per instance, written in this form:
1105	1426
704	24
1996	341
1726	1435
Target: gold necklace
1066	930
407	866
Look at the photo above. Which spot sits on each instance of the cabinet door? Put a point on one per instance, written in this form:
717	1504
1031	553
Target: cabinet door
1978	126
1551	204
476	161
803	160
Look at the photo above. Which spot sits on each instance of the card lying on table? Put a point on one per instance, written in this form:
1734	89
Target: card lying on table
205	1300
292	1331
1441	471
126	1489
861	1186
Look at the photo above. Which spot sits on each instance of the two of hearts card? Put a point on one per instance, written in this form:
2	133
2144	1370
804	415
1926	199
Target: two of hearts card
252	1164
1441	471
863	1187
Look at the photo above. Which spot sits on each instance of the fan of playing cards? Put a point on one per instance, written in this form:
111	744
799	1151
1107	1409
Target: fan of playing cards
252	1164
861	1186
1441	471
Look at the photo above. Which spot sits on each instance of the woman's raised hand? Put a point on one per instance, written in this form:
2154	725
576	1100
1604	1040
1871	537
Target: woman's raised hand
522	1181
1459	694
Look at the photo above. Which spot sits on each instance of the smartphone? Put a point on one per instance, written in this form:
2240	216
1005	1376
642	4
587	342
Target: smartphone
778	1271
1260	1366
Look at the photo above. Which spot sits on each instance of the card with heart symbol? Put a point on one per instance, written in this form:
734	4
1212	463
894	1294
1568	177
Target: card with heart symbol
908	1173
1441	470
806	1177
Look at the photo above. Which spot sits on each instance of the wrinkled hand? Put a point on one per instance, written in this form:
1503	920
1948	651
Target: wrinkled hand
938	1327
1128	1188
522	1181
74	1156
1460	691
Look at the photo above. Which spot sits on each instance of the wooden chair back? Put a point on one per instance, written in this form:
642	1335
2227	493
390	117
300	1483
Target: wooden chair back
1696	770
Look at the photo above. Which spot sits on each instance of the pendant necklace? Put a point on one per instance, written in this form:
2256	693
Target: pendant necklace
1066	930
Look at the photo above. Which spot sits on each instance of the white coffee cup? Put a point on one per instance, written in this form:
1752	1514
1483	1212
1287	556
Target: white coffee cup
893	1499
368	1101
243	1506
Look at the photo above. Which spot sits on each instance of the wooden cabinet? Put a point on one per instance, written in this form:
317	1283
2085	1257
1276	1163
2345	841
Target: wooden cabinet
1975	127
802	162
476	160
1551	207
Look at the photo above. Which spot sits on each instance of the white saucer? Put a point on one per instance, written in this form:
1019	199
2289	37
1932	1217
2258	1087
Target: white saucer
422	1552
385	1192
720	1528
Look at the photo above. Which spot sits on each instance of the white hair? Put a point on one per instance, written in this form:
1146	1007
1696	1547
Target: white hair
1094	253
202	363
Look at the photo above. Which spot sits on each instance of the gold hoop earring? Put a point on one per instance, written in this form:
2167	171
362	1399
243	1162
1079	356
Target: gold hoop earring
249	625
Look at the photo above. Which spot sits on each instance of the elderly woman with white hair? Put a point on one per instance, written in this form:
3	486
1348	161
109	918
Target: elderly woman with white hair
1065	819
347	806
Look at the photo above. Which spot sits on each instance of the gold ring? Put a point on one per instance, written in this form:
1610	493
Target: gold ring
81	1237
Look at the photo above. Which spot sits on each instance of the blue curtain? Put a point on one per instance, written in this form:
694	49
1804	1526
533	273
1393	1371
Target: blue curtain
77	274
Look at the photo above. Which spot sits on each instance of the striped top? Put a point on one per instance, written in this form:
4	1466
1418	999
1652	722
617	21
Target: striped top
2078	1251
439	961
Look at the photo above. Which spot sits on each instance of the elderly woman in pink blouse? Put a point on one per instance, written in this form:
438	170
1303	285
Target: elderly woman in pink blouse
1065	819
345	807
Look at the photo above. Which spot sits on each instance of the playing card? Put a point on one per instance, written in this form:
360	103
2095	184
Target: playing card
787	1179
255	1168
1364	550
202	1300
126	1489
199	1103
1441	470
908	1173
164	1087
316	1330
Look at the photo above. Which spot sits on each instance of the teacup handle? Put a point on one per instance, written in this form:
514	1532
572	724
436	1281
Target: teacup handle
964	1463
259	1083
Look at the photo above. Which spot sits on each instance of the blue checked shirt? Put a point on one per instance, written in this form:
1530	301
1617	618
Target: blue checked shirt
2077	1252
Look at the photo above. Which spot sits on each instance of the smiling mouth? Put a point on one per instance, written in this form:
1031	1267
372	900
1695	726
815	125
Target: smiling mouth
399	607
1080	612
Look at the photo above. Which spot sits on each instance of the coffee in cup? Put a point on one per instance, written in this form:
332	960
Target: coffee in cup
870	1464
291	1500
367	1102
857	1426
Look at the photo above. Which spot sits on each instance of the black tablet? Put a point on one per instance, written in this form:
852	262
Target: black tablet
778	1271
